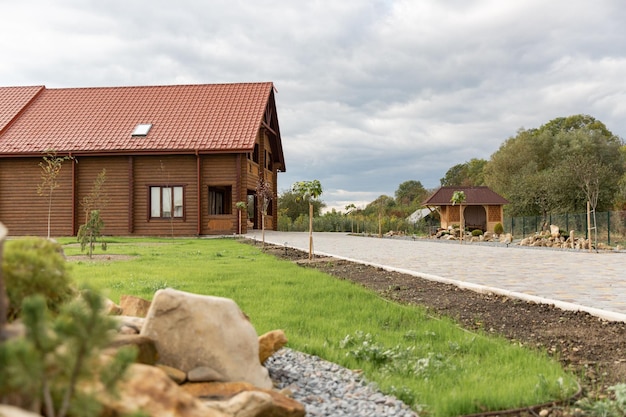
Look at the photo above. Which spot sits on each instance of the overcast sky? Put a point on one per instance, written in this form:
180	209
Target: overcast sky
369	93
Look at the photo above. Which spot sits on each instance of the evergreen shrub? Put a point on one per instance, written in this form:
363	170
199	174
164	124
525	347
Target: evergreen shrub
35	266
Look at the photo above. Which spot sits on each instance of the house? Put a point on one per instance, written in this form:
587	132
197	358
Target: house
177	158
482	208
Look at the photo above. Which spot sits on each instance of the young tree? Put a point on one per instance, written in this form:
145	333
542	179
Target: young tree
93	203
50	170
264	194
350	208
458	197
241	206
310	190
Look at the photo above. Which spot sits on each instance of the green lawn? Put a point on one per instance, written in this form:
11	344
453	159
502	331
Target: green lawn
431	363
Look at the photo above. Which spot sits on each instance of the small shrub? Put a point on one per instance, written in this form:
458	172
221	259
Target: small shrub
35	266
498	229
47	368
477	232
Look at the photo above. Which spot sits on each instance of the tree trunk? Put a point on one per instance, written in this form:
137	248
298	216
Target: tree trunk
589	224
4	301
310	231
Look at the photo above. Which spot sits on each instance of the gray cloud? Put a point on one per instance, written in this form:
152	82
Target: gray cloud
370	94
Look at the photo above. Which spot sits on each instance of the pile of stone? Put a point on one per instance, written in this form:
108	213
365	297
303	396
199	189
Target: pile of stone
554	239
454	233
198	356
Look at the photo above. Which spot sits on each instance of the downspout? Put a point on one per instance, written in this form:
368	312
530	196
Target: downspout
238	185
199	192
74	202
131	193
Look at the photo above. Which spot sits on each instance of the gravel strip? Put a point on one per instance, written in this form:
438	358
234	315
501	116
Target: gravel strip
327	389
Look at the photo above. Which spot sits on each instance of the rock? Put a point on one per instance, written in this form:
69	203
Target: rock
175	375
111	308
134	306
130	324
265	402
192	331
270	343
148	390
205	373
146	349
10	411
554	231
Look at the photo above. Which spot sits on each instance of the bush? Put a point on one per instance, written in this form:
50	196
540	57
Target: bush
35	266
477	232
498	229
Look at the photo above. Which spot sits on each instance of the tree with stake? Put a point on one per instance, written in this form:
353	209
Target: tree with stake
309	190
50	170
241	206
350	208
458	197
265	194
92	203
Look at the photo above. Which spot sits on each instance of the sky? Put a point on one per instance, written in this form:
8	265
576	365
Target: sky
369	93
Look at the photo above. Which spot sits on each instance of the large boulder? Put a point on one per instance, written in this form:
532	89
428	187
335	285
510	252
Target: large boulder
207	335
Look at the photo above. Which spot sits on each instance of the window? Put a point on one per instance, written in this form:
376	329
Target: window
166	202
220	200
142	129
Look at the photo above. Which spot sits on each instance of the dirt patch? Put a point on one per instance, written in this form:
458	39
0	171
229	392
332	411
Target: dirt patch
594	349
99	258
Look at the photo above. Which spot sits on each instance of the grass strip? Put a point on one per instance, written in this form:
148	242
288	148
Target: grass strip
431	364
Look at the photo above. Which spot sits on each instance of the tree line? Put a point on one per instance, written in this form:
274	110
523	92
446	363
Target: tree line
555	168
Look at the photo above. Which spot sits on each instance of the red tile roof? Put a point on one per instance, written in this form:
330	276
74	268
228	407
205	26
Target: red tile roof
13	100
189	118
474	196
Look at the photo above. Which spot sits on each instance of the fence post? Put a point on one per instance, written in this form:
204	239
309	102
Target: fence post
608	228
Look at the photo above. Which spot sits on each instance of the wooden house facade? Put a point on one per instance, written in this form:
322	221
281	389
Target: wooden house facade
482	208
176	159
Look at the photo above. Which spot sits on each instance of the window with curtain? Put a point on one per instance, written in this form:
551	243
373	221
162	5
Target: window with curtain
166	202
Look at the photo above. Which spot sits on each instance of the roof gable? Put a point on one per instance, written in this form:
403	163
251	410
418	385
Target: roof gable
473	196
192	118
13	100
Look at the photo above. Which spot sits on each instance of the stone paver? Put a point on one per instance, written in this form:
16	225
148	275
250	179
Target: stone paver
579	280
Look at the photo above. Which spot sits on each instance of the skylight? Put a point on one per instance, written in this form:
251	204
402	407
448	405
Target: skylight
142	129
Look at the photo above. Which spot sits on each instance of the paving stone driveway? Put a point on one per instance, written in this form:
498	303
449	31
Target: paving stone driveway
593	282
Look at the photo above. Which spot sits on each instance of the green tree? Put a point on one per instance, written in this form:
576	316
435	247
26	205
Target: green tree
350	209
89	232
92	204
50	170
536	169
310	190
458	197
293	205
409	197
265	195
470	173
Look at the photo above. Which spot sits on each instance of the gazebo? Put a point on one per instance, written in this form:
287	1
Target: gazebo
482	208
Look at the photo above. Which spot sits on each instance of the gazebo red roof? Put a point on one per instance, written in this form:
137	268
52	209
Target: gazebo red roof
474	196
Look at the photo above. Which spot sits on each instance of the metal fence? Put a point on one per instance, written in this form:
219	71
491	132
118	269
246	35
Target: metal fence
610	226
